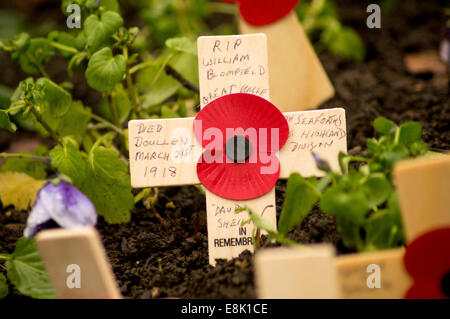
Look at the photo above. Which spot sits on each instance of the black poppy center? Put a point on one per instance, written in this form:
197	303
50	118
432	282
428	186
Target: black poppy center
445	284
238	149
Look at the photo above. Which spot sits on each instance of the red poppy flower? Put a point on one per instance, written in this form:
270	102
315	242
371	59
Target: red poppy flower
263	12
427	259
241	134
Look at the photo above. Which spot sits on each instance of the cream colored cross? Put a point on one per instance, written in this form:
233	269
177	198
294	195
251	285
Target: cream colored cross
423	187
297	78
164	152
76	263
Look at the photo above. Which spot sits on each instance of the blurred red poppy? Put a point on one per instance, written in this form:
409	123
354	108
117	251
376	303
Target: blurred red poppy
263	12
427	259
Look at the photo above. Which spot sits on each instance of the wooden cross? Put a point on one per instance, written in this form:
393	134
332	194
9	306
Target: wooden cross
423	186
164	152
298	80
297	273
76	263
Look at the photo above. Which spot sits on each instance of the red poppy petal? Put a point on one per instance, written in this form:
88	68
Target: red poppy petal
246	111
428	256
425	289
263	12
237	181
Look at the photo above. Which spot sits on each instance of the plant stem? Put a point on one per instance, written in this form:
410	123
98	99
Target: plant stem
115	116
257	239
141	66
63	47
32	157
169	70
107	123
130	86
38	66
5	257
15	108
185	82
44	124
158	216
223	8
160	71
113	110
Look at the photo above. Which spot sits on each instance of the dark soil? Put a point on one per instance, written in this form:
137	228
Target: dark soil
153	261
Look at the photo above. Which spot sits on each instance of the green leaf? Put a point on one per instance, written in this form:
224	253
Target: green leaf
300	199
410	132
388	158
108	185
105	71
33	168
377	189
5	96
68	40
37	53
383	126
55	98
344	42
384	228
111	5
75	121
69	161
27	272
5	122
121	101
186	65
162	89
262	223
182	45
351	205
11	22
350	232
380	231
104	178
167	112
3	287
99	31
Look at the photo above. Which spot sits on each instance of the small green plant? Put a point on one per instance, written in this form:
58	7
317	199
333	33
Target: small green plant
92	142
361	197
25	271
320	18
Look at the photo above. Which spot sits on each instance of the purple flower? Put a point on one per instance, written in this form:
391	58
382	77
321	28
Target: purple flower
321	163
61	204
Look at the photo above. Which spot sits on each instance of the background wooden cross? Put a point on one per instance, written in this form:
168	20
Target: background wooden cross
298	80
164	152
76	263
423	186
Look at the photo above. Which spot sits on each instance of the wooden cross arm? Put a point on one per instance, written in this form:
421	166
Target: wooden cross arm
423	186
164	152
314	272
298	80
374	275
296	273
